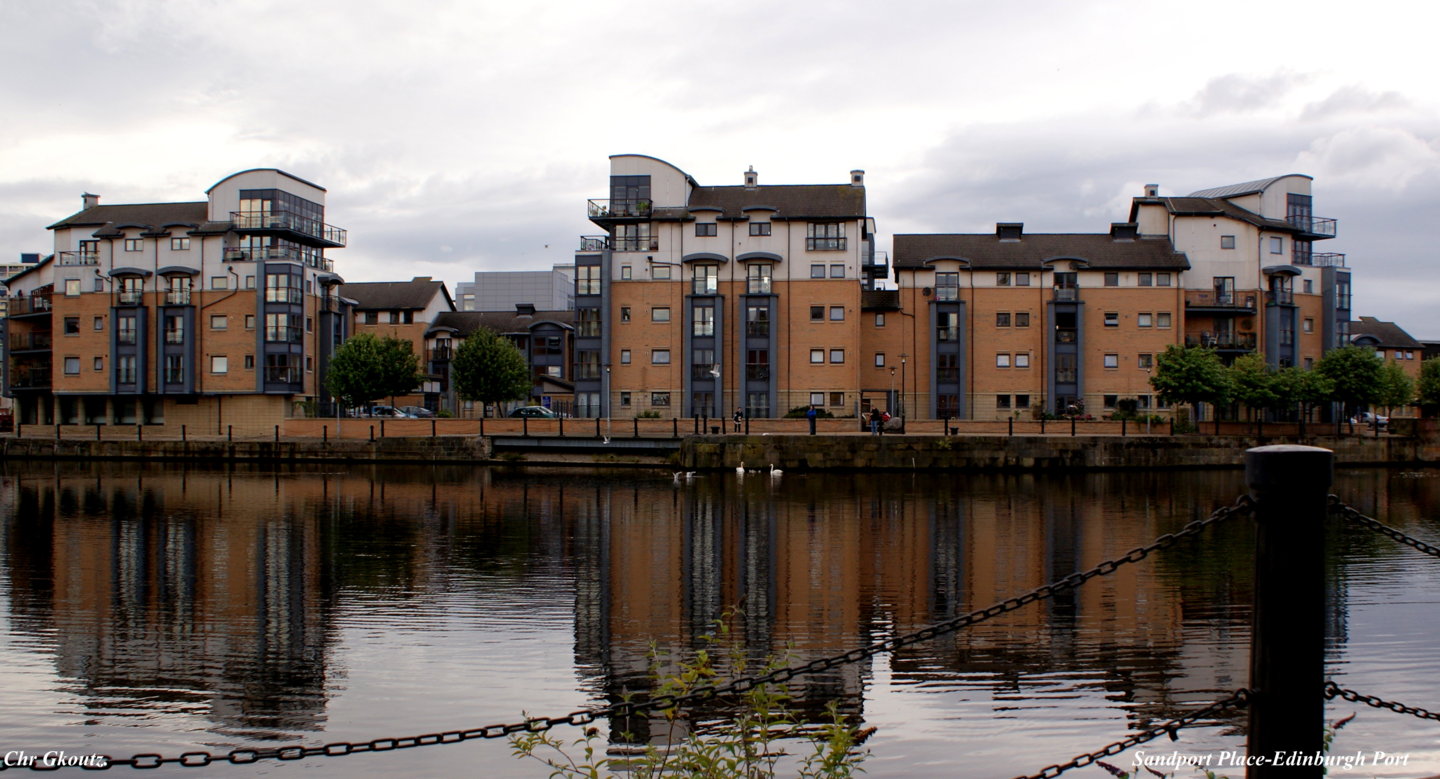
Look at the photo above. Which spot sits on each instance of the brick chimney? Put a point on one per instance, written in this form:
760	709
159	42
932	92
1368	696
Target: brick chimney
89	201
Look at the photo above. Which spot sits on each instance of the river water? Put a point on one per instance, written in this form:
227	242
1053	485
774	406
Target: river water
169	609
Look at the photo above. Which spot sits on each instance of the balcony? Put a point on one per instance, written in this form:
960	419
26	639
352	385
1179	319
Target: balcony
947	334
440	354
1281	297
757	372
177	297
282	375
1328	260
30	342
1207	302
825	244
310	231
877	266
22	306
757	329
757	285
277	254
605	209
594	243
283	335
30	377
1066	294
1223	342
1313	226
131	297
77	258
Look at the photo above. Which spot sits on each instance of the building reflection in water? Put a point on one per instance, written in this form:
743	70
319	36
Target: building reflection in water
219	594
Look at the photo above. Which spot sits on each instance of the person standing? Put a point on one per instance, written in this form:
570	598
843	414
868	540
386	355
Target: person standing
875	420
739	419
810	415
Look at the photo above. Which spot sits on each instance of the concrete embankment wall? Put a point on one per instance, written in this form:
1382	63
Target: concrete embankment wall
1023	453
415	450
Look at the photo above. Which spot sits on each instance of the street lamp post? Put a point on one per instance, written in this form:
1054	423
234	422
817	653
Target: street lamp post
605	404
902	386
891	402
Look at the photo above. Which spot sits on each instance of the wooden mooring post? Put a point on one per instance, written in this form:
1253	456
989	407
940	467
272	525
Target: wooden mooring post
1290	486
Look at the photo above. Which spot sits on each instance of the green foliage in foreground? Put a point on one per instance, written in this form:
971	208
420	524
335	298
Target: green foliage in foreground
750	743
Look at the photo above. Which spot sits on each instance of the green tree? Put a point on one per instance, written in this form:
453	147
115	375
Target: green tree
1354	372
1253	383
367	368
1429	389
1296	386
489	369
1190	374
1396	387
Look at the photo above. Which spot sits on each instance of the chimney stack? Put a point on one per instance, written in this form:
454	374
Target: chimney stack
857	178
1152	190
752	179
89	201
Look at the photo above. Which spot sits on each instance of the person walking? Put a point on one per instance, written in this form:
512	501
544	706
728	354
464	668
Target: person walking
875	420
810	415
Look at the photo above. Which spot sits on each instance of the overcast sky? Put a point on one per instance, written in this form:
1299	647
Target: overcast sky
463	136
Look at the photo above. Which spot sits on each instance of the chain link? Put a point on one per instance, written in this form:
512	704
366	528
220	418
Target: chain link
1242	505
1240	699
1353	515
1333	690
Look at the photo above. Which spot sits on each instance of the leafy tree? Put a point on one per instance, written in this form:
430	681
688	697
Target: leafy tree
1396	386
1429	388
1252	382
1190	374
366	368
1294	386
1354	372
489	369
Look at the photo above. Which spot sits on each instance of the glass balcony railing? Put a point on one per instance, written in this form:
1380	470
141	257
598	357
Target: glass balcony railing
1067	294
77	258
21	342
1313	225
277	254
131	297
599	208
291	222
1328	259
1209	299
177	297
36	304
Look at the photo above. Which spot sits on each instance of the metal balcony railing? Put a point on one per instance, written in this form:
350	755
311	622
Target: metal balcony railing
277	254
594	243
289	221
1208	299
825	244
440	354
21	342
757	329
1066	294
757	372
601	208
1313	225
1279	297
131	297
177	297
1222	341
77	258
35	304
33	377
1328	260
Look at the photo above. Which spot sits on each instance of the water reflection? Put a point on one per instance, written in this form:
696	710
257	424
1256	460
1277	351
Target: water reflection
235	606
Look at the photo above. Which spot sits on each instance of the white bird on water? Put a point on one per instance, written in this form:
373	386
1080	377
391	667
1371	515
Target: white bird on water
740	469
775	473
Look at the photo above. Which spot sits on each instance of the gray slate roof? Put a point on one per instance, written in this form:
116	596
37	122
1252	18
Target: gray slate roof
985	250
834	201
148	214
1385	334
466	322
395	295
1243	188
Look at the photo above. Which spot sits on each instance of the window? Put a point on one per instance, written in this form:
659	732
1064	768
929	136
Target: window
1162	319
1162	279
625	400
1022	280
624	313
660	399
98	285
174	329
880	320
825	237
879	359
759	228
219	363
837	356
757	278
219	282
705	279
1145	361
98	323
660	314
757	364
1022	318
179	244
1002	278
817	398
282	328
817	356
249	362
947	286
817	271
125	330
281	288
125	369
249	321
1307	286
624	356
250	282
1002	319
704	229
1002	360
757	320
72	366
837	398
134	244
660	272
174	368
1112	279
1145	279
1108	401
1112	318
99	364
1277	245
837	313
1142	319
837	270
1002	401
626	272
1112	361
587	323
1227	242
371	318
817	313
660	357
72	325
72	287
1309	325
1022	360
704	321
1022	401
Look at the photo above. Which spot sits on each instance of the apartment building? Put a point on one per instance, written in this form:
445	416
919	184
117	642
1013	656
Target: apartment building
1390	342
552	290
404	310
1256	282
216	314
545	338
1014	323
698	300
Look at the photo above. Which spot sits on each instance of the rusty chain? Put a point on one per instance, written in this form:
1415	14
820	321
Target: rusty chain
1242	505
1333	690
1239	699
1353	515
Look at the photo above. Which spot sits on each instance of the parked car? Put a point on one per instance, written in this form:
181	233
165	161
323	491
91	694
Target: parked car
534	412
1368	418
418	412
388	411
